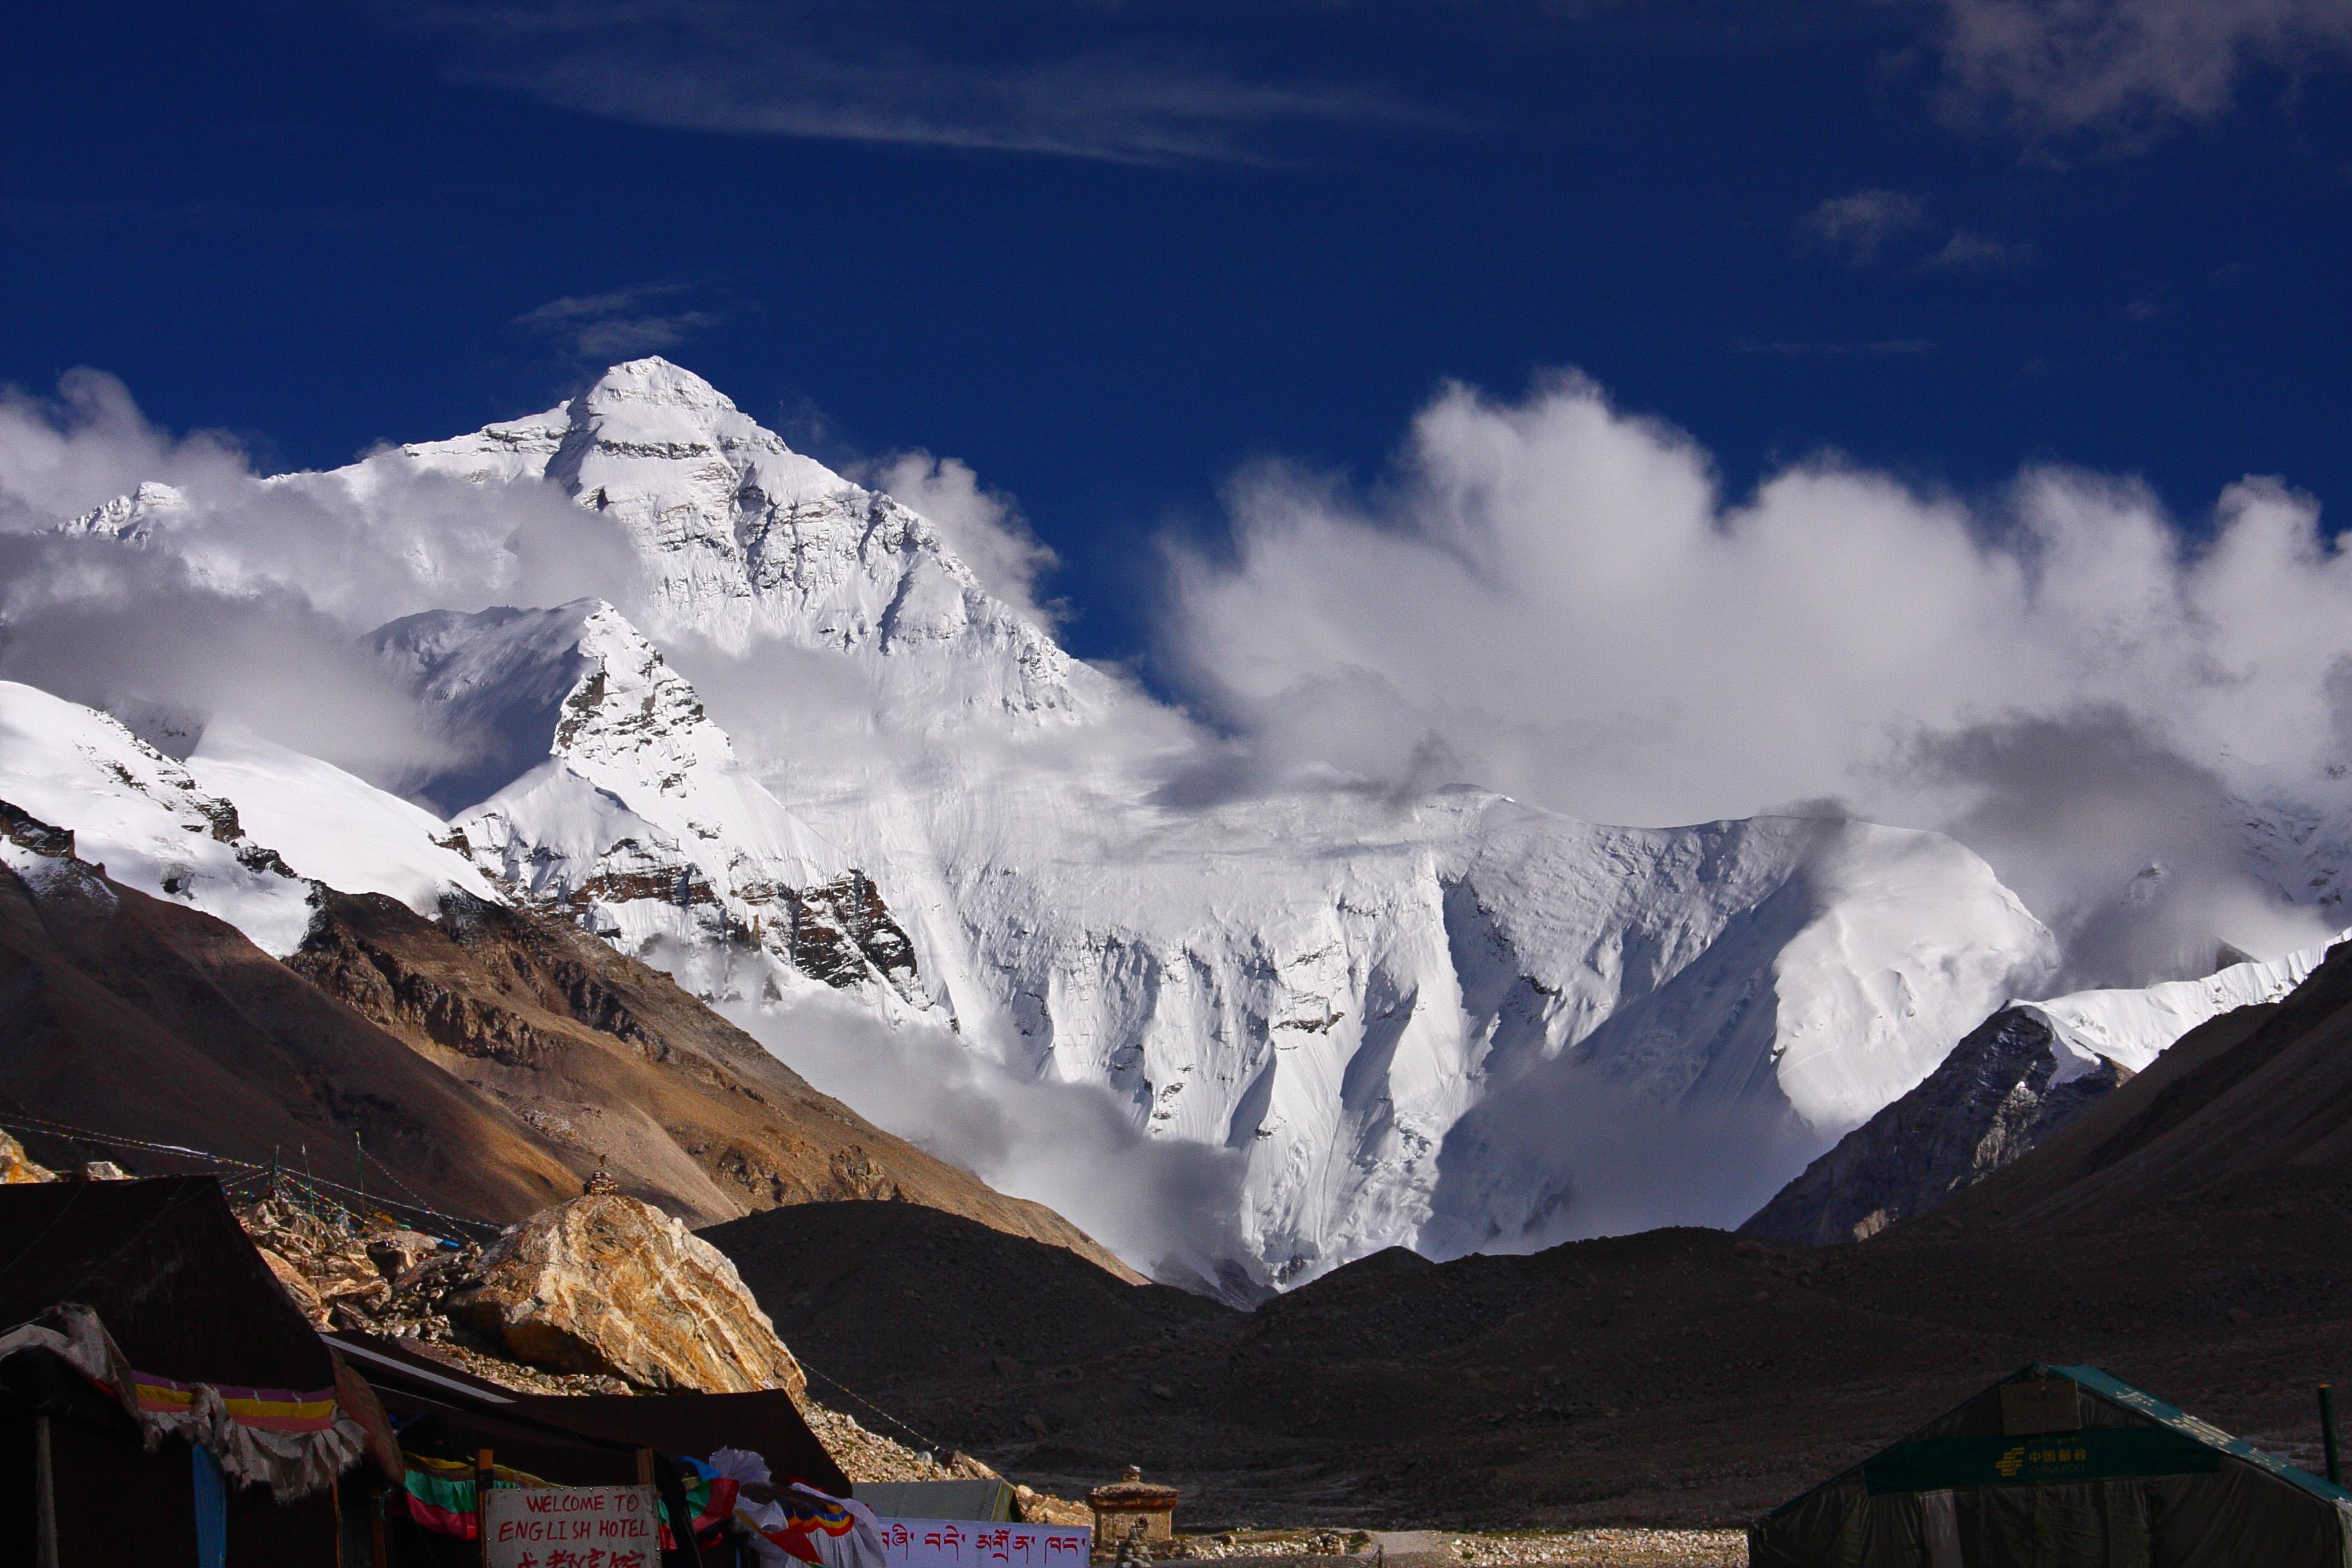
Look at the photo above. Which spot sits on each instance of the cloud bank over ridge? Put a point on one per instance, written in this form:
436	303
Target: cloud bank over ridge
1553	597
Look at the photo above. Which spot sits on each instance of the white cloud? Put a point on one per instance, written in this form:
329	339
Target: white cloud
601	328
2122	68
1169	1208
1857	229
1552	598
984	527
248	602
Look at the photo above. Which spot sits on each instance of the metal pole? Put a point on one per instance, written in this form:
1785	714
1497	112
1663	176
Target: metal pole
2328	1433
45	1483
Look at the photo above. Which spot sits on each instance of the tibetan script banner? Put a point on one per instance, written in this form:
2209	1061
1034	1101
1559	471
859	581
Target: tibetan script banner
969	1543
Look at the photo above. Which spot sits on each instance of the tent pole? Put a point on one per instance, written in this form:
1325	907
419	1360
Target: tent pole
380	1548
483	1471
45	1482
2328	1433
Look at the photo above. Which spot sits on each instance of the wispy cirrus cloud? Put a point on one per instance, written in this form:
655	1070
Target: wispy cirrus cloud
1139	84
1879	225
1860	229
617	325
1965	250
2120	71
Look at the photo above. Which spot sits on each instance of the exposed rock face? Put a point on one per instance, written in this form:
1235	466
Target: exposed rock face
15	1165
1992	1098
842	931
606	1284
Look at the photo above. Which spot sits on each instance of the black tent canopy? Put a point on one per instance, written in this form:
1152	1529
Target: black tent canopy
450	1412
2063	1466
163	1268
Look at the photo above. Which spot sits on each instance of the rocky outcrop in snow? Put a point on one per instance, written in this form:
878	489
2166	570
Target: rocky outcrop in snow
1997	1094
607	1285
2020	1077
603	788
142	817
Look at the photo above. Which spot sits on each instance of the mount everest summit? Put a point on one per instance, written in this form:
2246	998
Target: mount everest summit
795	751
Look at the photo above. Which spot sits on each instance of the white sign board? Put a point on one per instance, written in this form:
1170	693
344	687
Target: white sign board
966	1543
572	1527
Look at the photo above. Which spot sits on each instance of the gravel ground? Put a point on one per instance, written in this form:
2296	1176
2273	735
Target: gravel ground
1533	1549
1607	1548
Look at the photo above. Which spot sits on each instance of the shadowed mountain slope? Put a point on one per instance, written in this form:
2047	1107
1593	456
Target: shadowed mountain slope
129	1014
605	1056
1998	1094
2190	1232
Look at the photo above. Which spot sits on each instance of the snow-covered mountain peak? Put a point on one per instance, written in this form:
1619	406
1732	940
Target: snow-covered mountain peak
579	682
743	539
132	518
642	394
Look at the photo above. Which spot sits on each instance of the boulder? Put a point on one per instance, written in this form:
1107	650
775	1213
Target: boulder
298	1289
605	1284
15	1165
396	1252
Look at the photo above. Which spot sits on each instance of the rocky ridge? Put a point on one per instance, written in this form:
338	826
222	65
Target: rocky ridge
2001	1092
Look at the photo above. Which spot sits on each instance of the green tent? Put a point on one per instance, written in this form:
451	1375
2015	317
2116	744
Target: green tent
2063	1466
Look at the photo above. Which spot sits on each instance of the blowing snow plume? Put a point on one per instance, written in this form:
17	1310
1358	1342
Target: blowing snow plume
1555	595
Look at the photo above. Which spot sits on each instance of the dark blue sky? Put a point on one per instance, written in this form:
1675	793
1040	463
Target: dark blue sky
1105	254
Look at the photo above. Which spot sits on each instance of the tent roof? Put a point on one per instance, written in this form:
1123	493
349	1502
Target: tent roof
2116	1390
579	1438
168	1270
2135	1405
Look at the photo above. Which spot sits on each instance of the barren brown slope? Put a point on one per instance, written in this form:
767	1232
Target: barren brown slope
129	1014
609	1058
